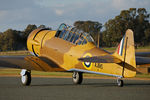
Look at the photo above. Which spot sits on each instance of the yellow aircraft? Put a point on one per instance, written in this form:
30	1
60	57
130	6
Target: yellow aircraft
72	50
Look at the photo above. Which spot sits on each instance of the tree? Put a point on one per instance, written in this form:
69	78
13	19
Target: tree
43	26
10	40
16	40
91	27
147	35
27	31
137	20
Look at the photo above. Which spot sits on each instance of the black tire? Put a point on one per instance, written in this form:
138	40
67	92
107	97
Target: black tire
26	79
77	77
120	82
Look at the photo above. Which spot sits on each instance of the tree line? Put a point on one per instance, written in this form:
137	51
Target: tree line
16	40
114	29
109	34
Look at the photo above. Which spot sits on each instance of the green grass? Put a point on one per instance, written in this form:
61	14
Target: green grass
139	49
15	53
143	49
40	73
12	72
143	75
111	49
146	47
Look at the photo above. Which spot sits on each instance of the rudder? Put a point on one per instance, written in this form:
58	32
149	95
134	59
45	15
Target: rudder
126	53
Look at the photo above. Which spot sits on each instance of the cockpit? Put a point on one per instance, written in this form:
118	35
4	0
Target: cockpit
73	35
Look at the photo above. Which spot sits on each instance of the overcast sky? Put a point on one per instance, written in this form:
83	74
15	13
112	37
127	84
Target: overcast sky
17	14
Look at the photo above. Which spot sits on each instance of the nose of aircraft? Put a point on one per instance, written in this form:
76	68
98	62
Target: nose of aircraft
34	41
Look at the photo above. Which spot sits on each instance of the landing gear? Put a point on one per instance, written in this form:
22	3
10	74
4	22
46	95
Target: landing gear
120	82
77	77
25	77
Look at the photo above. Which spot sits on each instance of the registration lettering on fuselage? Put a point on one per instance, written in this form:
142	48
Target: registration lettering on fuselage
99	65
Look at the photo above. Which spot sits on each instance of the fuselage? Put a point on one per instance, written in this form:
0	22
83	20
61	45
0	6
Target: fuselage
65	53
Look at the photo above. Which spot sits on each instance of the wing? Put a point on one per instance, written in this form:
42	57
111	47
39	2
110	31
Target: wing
112	59
100	59
142	54
12	61
142	60
29	62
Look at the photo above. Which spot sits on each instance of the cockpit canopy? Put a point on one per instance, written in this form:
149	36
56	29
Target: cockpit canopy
73	35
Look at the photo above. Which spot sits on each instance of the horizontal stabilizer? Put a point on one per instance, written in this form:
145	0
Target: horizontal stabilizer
100	59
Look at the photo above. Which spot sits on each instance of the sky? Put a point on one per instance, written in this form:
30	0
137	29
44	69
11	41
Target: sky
17	14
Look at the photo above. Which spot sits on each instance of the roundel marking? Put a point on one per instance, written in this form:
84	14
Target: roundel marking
87	65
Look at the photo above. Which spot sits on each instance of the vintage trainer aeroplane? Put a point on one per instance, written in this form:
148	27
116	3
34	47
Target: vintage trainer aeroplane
72	50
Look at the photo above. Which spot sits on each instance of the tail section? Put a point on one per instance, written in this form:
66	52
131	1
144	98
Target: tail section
126	53
121	46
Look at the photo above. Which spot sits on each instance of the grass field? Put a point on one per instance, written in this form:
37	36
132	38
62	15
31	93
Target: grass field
13	53
139	49
16	72
9	71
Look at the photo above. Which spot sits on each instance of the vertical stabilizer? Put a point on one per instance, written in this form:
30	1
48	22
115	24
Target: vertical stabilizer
126	52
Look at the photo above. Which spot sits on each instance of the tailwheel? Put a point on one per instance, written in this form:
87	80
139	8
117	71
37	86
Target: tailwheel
25	77
77	77
120	82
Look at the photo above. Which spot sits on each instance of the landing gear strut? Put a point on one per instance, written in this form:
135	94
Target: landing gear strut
120	82
25	77
77	77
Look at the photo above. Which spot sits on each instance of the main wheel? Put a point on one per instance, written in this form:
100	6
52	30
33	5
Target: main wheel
120	82
77	77
26	78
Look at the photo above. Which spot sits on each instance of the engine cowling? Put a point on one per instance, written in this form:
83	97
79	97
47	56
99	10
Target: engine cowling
37	38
